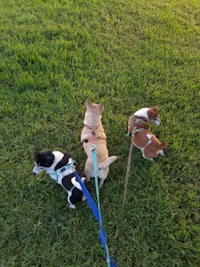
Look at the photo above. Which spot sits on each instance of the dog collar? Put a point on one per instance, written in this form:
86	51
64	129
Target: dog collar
91	127
137	121
140	118
93	134
92	138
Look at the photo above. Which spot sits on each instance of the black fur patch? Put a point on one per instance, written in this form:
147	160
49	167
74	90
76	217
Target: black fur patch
76	193
66	181
44	159
63	162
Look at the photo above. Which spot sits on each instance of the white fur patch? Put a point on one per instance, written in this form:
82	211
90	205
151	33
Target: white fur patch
58	157
76	184
37	169
142	112
149	136
157	122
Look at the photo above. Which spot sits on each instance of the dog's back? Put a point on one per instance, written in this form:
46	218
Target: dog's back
149	144
93	133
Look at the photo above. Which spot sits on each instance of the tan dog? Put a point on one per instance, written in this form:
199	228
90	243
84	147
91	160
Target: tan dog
143	138
93	133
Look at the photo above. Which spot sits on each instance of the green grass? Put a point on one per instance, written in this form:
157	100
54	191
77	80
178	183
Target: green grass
126	54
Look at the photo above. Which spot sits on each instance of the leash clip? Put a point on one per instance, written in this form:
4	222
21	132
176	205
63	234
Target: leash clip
93	148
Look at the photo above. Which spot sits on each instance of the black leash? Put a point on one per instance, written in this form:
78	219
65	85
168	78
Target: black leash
123	201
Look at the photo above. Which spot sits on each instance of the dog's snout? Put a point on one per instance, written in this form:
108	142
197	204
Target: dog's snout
34	173
157	122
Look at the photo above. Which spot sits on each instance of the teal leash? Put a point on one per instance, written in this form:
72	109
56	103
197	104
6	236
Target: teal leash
96	209
95	164
101	233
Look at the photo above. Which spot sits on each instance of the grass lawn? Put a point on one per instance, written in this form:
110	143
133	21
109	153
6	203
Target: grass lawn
127	55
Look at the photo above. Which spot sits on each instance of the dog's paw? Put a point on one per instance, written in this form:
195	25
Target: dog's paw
72	206
128	134
162	153
101	183
150	159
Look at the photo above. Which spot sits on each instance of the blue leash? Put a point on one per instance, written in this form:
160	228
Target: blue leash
96	210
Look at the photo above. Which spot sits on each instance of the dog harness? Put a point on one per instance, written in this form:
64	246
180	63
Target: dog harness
137	121
67	170
93	134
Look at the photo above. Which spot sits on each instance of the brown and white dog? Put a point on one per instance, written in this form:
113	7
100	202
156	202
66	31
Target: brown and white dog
143	138
93	133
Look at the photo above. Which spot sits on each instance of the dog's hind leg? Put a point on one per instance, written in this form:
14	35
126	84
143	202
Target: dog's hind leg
101	182
71	205
150	159
89	169
102	174
144	156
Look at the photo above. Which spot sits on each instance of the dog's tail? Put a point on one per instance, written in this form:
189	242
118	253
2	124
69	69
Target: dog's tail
163	145
104	164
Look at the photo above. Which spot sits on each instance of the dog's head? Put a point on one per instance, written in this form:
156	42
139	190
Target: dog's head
95	108
43	161
49	161
153	115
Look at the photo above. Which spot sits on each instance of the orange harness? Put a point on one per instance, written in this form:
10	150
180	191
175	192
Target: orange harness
93	135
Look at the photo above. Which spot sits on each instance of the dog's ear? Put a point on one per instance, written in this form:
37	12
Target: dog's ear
36	155
101	107
155	109
88	103
152	112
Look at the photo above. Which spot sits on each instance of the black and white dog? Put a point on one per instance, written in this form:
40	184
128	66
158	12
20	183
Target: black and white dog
61	168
